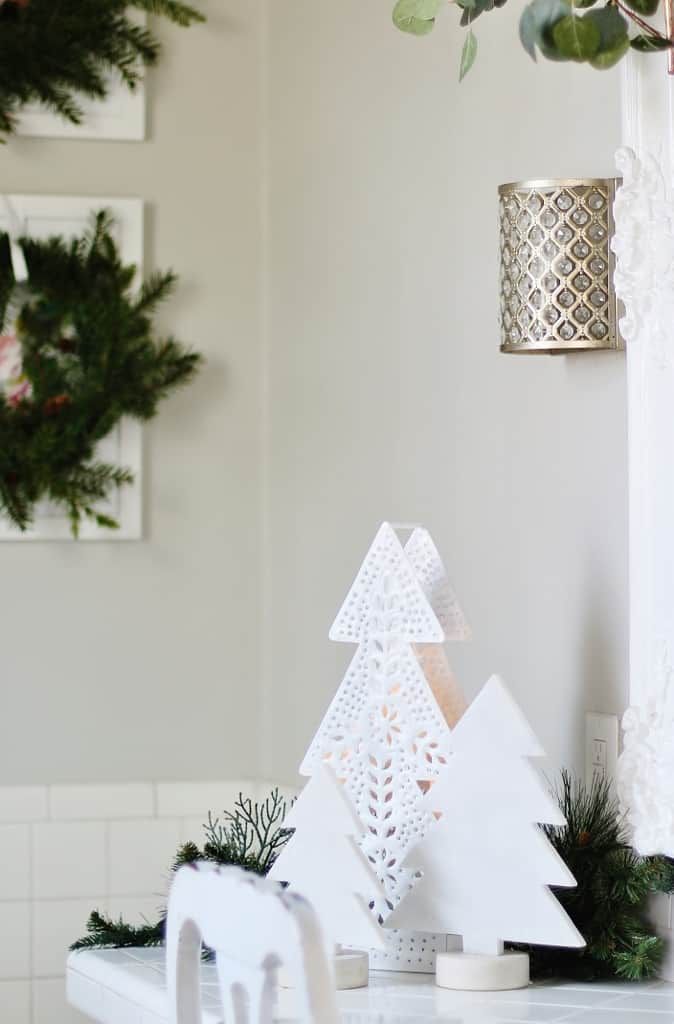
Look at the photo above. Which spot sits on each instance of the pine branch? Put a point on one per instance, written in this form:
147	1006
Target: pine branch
252	838
105	933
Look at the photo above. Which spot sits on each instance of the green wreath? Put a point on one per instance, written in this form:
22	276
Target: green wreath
55	52
77	353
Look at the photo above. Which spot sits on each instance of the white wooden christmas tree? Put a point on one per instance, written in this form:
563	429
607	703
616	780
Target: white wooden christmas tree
323	862
385	733
486	864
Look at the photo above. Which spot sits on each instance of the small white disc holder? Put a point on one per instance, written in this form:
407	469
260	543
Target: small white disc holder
477	972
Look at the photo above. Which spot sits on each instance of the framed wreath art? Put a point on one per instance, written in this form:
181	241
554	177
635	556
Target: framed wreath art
78	351
57	53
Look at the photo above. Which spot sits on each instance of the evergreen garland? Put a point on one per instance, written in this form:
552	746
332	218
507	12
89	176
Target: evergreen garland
251	836
608	904
55	52
82	353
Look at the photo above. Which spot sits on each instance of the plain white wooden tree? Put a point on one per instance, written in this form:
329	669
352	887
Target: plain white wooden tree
486	864
323	863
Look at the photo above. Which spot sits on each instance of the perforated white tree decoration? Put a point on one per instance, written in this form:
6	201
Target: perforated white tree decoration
324	864
486	864
385	732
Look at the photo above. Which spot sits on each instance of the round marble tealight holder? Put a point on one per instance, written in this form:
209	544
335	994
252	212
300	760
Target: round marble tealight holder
351	970
475	972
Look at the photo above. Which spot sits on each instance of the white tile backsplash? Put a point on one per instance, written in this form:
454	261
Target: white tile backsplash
15	854
69	860
14	941
141	853
105	803
66	850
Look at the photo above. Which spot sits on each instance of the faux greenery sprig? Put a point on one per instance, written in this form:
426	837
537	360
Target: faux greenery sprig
78	351
250	836
609	903
560	30
56	52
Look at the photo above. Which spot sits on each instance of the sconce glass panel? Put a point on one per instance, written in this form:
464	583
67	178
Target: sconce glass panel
556	266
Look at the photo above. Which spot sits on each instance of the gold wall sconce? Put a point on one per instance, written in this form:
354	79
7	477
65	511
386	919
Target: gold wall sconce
556	266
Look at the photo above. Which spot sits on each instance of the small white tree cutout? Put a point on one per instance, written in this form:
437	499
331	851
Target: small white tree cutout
386	730
486	864
324	864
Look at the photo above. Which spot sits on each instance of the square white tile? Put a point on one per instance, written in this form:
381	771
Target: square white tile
69	860
50	1005
23	803
101	802
141	854
15	1002
15	862
196	799
136	910
14	941
57	924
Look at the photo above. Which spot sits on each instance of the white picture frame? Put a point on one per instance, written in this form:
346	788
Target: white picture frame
42	216
120	117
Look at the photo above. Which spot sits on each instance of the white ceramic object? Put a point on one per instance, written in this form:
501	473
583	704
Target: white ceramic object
254	926
323	863
644	281
350	970
486	865
386	730
480	973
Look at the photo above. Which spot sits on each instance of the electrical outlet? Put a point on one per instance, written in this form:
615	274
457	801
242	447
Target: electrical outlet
601	747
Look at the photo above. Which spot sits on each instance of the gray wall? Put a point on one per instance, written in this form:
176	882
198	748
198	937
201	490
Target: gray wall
326	191
389	398
141	660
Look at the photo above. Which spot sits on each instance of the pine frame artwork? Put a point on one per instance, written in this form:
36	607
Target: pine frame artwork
120	117
41	216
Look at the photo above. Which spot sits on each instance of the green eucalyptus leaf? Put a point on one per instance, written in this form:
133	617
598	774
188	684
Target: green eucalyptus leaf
644	7
468	54
576	38
416	16
536	22
646	43
614	38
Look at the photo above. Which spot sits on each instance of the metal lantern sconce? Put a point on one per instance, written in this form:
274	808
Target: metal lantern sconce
556	266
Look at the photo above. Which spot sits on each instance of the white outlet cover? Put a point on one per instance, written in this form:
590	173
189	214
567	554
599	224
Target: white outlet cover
601	747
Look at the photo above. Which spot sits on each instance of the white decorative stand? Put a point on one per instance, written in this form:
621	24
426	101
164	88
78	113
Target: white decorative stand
486	864
644	280
322	862
384	733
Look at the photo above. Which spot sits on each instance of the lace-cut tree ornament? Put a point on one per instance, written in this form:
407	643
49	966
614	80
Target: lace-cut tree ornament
386	731
486	865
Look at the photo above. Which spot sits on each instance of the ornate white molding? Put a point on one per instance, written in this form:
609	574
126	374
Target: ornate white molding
643	244
644	281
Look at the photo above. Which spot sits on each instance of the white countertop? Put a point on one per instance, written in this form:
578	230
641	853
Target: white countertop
127	986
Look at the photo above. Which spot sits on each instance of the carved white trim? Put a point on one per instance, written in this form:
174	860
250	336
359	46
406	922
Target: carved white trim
644	282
